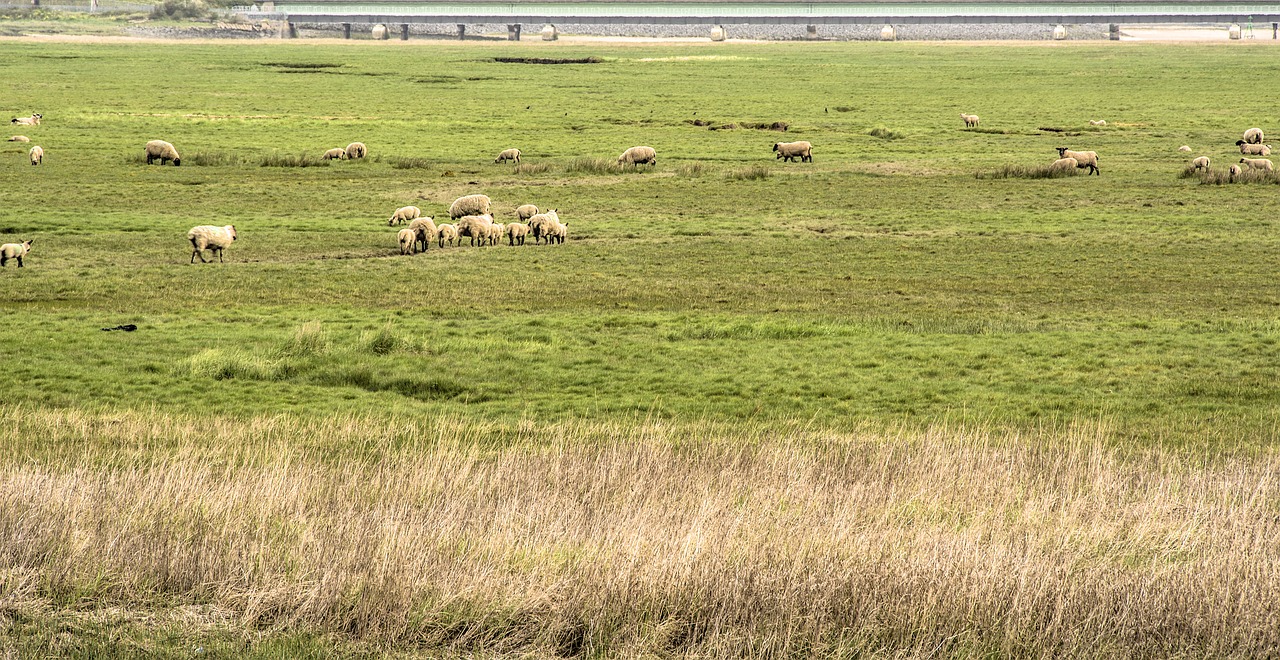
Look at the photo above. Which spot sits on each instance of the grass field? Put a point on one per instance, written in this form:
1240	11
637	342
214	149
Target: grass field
891	402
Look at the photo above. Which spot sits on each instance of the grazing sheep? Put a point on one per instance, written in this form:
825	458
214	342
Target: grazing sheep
1200	163
208	237
14	251
559	231
335	154
508	154
448	232
33	120
639	156
37	155
517	232
424	229
1185	148
970	121
496	231
356	150
789	151
1253	149
526	211
1233	172
469	205
1084	159
403	215
1252	136
475	227
1258	164
1065	164
1097	122
543	225
163	152
408	241
19	138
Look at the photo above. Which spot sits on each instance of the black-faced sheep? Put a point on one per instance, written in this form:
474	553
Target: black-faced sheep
335	154
639	156
508	154
1253	136
14	251
1253	149
37	155
1233	172
33	120
1200	163
526	211
1065	164
516	233
469	205
1257	164
404	214
1084	159
447	232
407	239
1184	148
208	237
970	121
543	225
424	230
475	227
356	150
1097	122
789	151
163	152
19	138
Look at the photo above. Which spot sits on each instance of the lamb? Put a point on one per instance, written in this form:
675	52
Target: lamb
1084	159
639	156
37	155
469	205
447	232
408	241
356	150
335	154
476	227
1185	148
33	120
1098	122
1200	163
496	231
14	251
526	211
163	152
1233	172
970	121
1253	149
424	229
508	154
1252	136
789	151
19	138
559	230
403	215
208	237
1065	164
543	225
1257	164
517	231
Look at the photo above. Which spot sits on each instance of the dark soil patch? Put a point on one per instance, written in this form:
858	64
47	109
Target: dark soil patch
548	60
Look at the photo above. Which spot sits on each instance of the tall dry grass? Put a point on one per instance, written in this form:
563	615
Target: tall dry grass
647	538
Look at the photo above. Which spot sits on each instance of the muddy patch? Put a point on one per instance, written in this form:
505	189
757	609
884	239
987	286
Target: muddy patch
548	60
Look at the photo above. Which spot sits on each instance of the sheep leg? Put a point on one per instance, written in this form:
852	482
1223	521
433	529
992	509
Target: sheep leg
4	261
19	262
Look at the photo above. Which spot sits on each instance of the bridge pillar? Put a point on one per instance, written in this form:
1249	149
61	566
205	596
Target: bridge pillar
887	33
462	31
1275	30
550	33
811	32
513	32
718	33
346	30
1059	33
1115	32
404	32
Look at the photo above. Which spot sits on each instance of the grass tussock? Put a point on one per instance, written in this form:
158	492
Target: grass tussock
1219	177
991	131
408	163
885	133
530	169
587	165
293	160
1029	172
480	537
754	172
693	169
210	159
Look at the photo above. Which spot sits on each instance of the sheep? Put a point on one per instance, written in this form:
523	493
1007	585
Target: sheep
37	155
970	121
1065	164
1253	149
639	156
496	231
403	215
508	154
19	138
1084	159
1252	136
559	231
1257	164
14	251
789	151
1185	148
33	120
1097	122
476	227
447	232
356	150
335	154
424	229
1200	163
526	211
163	152
517	232
208	237
408	241
1233	172
543	225
469	205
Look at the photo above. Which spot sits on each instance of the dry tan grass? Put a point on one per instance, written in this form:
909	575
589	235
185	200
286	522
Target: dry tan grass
646	538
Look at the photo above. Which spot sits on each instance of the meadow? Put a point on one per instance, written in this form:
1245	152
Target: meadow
894	402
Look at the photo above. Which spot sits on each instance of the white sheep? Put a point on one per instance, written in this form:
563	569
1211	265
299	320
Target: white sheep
559	231
335	154
1253	149
1200	163
475	227
33	120
639	156
1233	172
789	151
508	154
14	251
526	211
1253	136
970	121
37	155
356	150
1084	159
1185	148
1097	122
407	239
543	225
1257	164
496	231
404	214
208	237
1065	164
19	138
424	229
447	232
469	205
517	232
163	152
